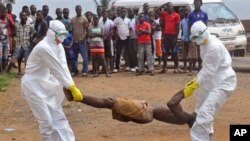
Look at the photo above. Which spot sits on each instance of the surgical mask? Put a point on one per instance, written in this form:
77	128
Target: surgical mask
60	35
198	37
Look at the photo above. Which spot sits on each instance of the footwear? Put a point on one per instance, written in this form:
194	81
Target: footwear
190	73
84	74
138	73
163	71
73	74
152	73
133	69
177	71
127	69
115	70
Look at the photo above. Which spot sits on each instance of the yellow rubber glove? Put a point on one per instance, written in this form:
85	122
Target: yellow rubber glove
76	93
190	87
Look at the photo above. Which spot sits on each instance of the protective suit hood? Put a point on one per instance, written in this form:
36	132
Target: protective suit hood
199	32
57	31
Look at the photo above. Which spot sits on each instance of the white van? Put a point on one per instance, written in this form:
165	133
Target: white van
223	23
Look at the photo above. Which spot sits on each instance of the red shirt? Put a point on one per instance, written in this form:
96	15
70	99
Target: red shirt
170	22
143	38
11	24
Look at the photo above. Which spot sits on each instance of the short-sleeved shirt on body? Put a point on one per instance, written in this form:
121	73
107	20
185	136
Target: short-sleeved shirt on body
184	28
171	21
79	28
107	27
143	38
195	16
123	26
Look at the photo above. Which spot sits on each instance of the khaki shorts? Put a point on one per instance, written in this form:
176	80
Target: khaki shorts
192	52
132	110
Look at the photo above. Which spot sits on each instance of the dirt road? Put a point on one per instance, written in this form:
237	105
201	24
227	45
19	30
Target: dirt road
90	124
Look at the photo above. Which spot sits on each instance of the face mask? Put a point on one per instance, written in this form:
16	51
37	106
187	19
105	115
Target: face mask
60	35
198	37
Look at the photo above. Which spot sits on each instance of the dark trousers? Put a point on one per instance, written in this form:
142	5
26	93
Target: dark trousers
120	45
170	48
132	51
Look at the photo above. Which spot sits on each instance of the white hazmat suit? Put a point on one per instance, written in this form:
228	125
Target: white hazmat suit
42	85
216	80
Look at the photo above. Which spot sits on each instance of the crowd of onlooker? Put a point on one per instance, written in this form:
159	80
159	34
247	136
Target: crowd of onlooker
106	38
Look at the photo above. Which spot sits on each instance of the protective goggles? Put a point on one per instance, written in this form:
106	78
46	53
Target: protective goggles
197	35
61	33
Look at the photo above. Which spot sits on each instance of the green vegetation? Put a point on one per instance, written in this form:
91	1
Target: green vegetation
5	79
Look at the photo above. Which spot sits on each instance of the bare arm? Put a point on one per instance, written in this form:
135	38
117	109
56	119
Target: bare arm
175	107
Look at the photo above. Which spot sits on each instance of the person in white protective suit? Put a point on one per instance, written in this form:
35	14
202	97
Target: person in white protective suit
214	83
42	85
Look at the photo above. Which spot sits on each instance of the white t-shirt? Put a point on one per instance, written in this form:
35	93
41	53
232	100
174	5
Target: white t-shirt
157	34
133	24
107	26
123	26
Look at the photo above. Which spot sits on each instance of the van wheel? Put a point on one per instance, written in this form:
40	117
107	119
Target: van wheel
239	53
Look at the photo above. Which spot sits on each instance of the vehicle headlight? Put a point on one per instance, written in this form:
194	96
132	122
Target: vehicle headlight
241	32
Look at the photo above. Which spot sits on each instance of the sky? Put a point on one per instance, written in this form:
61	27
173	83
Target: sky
239	7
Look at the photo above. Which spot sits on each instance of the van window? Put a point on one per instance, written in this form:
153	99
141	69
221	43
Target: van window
218	12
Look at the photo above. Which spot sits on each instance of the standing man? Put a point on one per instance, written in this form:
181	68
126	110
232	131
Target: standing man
66	19
33	12
123	30
42	85
194	16
170	22
146	12
79	30
59	14
10	17
45	10
107	25
214	84
133	46
5	22
27	11
144	45
23	34
41	27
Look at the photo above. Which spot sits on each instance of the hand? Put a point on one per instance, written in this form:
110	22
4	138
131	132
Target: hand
76	93
190	87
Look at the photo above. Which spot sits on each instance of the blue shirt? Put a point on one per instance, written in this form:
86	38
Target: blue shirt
195	16
48	19
184	28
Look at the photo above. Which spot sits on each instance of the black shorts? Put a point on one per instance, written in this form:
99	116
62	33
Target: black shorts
169	44
108	48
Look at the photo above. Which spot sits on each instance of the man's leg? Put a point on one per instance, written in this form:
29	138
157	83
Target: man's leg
118	54
203	125
62	130
141	58
84	53
75	64
150	61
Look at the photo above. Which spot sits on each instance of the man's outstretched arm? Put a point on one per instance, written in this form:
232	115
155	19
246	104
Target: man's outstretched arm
91	100
175	107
